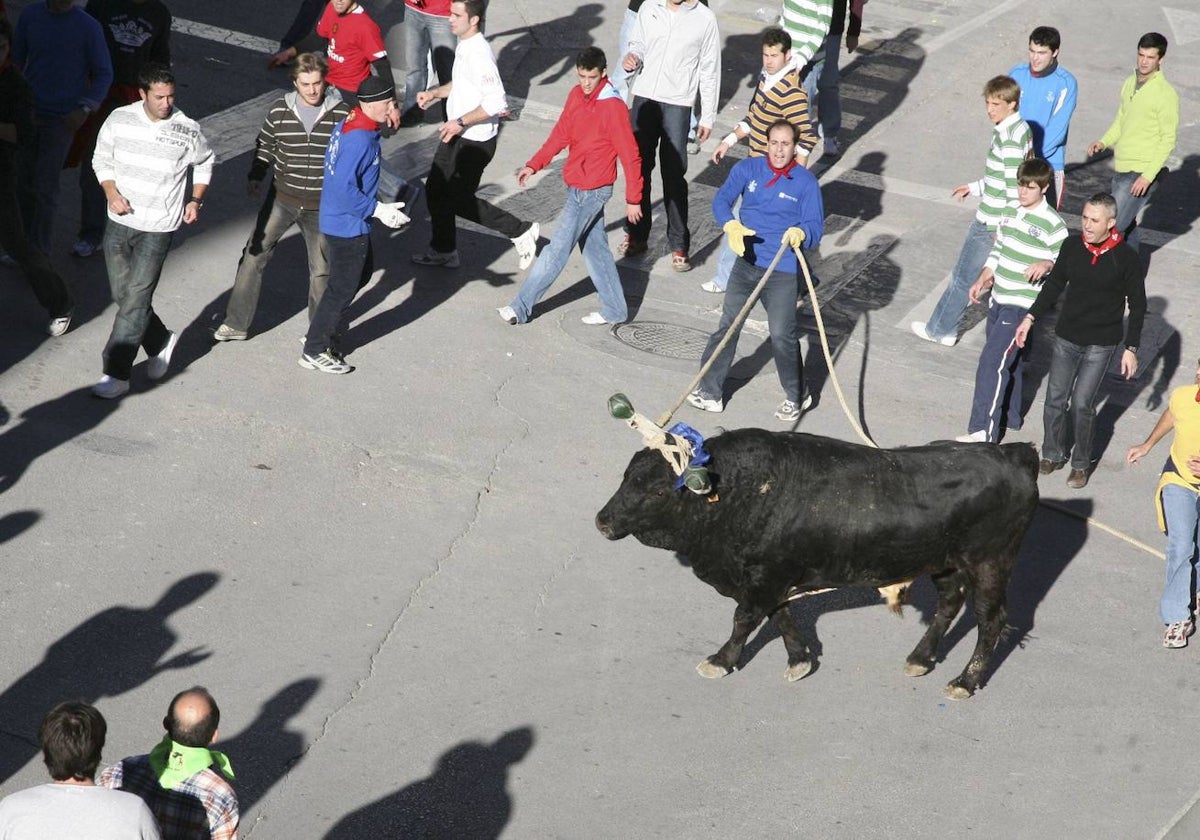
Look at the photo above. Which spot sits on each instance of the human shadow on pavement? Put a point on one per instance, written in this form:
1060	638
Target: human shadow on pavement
16	523
547	48
109	654
466	798
47	426
267	750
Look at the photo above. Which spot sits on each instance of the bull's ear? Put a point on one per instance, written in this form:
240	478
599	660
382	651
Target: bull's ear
620	407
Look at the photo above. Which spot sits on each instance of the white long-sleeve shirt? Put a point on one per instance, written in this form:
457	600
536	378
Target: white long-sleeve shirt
680	53
476	83
149	161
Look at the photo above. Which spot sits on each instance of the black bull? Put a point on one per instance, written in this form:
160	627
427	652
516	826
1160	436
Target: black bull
795	512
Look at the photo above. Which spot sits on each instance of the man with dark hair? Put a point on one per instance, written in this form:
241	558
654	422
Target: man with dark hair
72	736
779	95
1142	135
183	781
348	204
1011	144
475	101
136	32
1028	238
594	128
16	132
676	49
144	153
61	51
781	204
1101	276
291	144
1048	94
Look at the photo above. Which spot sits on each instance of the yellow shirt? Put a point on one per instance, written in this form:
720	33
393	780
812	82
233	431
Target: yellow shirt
1186	443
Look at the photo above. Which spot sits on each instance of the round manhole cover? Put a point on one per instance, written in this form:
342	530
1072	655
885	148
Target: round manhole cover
663	339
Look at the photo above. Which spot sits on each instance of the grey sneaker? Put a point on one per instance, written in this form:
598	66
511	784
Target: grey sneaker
526	245
109	388
326	362
1177	633
788	411
437	259
228	333
704	402
507	314
58	326
156	368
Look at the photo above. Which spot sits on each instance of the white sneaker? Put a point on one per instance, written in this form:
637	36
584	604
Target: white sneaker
704	402
918	328
156	367
58	326
973	437
712	287
594	319
526	245
109	388
507	314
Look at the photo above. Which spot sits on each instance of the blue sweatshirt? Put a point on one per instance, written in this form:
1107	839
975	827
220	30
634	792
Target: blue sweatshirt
63	57
794	200
351	177
1047	103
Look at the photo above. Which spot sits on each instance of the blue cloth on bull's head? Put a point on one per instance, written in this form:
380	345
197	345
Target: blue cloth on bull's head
700	455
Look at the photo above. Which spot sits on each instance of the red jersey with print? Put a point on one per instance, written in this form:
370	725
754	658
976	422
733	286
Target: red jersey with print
354	42
438	8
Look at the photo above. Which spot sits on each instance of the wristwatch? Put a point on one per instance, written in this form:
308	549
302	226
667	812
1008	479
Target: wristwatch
1132	350
199	202
461	124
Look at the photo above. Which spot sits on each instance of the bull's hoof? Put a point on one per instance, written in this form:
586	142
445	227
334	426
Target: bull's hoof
916	669
956	692
798	671
711	671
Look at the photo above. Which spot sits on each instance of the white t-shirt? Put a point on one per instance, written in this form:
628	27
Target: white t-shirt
75	812
476	81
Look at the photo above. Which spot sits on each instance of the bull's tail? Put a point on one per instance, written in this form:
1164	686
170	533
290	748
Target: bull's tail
896	594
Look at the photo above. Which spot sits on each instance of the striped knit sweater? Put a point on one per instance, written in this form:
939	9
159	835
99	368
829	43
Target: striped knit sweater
807	21
786	100
297	157
1012	142
148	161
1026	235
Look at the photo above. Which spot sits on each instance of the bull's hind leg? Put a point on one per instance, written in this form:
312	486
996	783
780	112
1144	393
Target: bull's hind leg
949	584
799	663
726	659
991	594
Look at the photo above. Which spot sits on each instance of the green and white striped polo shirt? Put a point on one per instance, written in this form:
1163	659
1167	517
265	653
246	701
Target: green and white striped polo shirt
1026	235
1011	144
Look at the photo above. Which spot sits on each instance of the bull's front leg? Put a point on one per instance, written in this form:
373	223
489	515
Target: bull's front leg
950	599
991	591
799	663
726	659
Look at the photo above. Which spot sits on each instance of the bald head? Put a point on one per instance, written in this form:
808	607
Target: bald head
192	718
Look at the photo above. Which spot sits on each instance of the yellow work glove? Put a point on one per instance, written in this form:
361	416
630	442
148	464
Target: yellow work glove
736	233
793	237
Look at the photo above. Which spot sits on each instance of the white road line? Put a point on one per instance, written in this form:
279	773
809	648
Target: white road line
224	36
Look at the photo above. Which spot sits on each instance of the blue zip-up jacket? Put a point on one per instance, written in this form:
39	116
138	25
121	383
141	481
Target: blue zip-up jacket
794	200
351	177
1047	103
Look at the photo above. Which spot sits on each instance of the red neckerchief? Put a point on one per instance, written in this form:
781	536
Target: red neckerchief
1113	240
780	173
359	121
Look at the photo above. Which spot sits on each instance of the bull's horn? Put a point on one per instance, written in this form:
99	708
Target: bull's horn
620	407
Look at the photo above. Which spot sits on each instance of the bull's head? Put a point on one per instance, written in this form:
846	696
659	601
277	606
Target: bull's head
682	450
646	504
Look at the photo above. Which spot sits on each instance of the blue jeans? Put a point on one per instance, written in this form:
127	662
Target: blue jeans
39	178
582	223
662	129
1076	372
779	299
1129	205
424	34
999	364
821	85
134	260
953	302
616	73
275	218
350	267
1181	509
726	257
